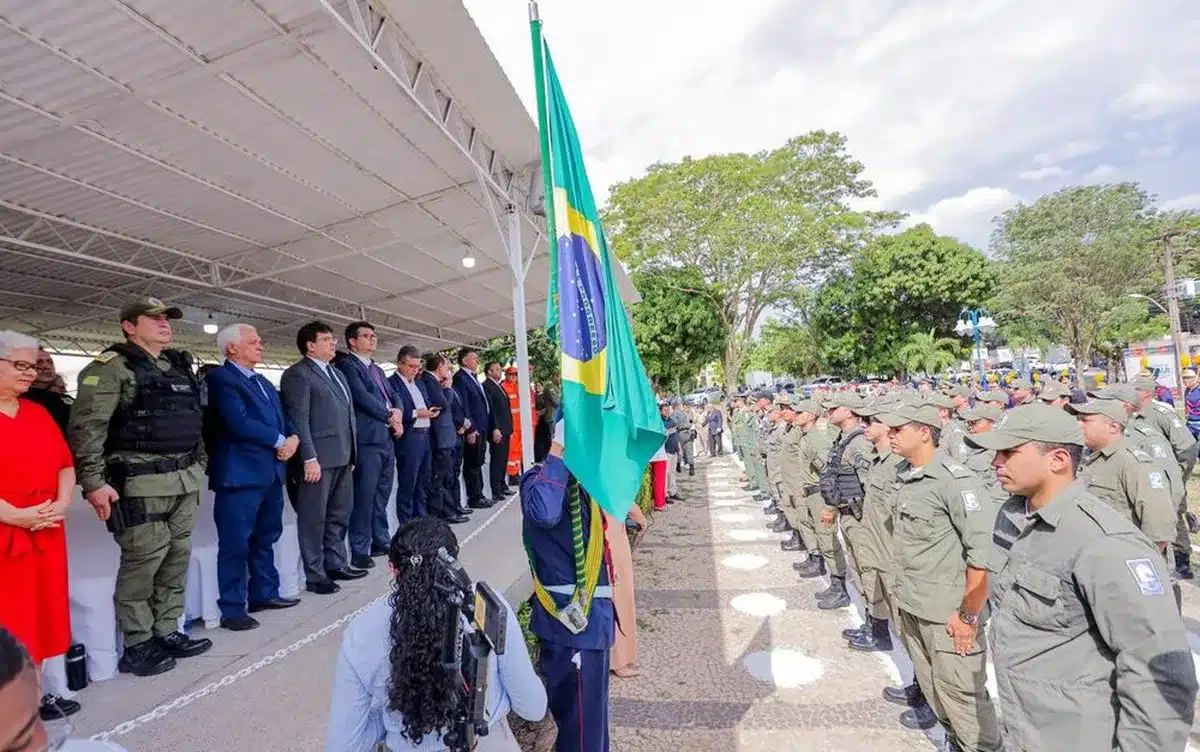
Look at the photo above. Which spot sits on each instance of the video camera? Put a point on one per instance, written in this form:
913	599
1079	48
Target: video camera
476	622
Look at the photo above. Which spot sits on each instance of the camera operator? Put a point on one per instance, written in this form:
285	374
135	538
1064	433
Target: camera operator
573	610
390	686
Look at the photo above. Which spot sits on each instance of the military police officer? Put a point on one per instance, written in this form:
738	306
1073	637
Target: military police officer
135	432
1088	649
843	481
827	554
943	529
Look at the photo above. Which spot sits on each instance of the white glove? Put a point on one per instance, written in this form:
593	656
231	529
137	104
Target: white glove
559	433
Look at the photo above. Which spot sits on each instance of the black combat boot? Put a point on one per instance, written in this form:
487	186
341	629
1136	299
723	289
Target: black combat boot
814	566
909	695
145	659
179	645
921	717
794	543
835	596
1183	565
780	525
877	639
859	631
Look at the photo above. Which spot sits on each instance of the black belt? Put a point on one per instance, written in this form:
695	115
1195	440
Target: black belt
156	467
809	490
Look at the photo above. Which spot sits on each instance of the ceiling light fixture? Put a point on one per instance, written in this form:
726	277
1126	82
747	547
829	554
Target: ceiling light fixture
210	326
468	261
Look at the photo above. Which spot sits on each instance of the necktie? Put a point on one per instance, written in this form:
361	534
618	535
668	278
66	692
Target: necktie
379	383
337	385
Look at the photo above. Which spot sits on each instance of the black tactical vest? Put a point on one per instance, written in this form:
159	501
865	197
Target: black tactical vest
840	485
165	416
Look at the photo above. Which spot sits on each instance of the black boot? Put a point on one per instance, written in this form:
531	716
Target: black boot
920	717
772	509
179	645
145	659
792	544
857	632
780	525
909	695
692	470
878	639
1183	565
835	596
813	567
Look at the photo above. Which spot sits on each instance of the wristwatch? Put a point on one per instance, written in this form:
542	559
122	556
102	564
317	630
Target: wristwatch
967	617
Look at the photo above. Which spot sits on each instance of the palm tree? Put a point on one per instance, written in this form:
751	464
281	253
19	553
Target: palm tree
927	353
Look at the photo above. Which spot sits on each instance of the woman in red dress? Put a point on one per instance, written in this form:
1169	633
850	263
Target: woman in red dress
37	483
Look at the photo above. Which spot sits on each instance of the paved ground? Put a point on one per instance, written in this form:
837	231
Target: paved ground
706	563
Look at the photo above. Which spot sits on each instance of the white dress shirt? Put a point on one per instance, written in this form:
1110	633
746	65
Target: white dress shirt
418	400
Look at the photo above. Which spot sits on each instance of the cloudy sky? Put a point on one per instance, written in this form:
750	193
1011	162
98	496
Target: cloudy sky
958	109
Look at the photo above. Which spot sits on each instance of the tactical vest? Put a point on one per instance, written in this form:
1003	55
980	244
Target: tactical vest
840	485
165	416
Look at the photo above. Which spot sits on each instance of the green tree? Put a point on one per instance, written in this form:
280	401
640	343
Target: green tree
759	228
1072	257
895	287
543	354
1127	322
792	347
927	353
677	325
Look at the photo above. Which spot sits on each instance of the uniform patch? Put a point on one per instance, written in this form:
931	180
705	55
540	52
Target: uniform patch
958	471
1176	423
1158	451
970	501
1145	576
90	381
106	356
1156	479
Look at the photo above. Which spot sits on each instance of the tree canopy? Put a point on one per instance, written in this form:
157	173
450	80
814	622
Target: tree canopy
759	228
677	326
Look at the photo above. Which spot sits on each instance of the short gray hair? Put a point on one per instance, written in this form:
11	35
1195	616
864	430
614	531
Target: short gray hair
11	341
230	335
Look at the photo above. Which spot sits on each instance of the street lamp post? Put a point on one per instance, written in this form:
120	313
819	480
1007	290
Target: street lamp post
976	323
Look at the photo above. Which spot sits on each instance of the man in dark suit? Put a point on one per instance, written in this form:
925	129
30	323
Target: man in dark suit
317	400
443	440
412	447
462	424
251	441
378	420
470	393
501	433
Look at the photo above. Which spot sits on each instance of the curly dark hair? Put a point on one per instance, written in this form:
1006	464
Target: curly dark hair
419	689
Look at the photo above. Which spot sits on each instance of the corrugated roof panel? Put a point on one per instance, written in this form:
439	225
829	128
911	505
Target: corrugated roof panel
212	28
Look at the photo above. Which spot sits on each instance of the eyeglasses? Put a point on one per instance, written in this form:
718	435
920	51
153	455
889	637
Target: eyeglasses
22	366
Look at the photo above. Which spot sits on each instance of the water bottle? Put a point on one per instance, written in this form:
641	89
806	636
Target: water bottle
77	674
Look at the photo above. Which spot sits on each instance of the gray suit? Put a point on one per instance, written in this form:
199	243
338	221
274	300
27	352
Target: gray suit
324	419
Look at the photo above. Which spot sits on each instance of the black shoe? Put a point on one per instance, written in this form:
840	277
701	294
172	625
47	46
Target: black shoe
1183	566
760	496
54	707
467	511
322	587
919	718
275	604
345	574
480	504
850	634
498	499
179	645
792	544
908	695
457	519
747	488
239	623
362	562
814	567
691	471
835	596
878	639
379	551
145	659
780	526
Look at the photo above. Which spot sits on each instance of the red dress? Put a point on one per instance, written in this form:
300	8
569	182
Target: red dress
34	605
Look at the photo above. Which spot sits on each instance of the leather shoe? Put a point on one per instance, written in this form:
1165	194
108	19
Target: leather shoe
179	645
854	633
345	574
239	623
480	504
909	695
322	587
921	718
498	499
54	708
455	519
145	659
362	562
275	604
379	551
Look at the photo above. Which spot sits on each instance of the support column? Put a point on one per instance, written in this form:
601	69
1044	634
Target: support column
516	267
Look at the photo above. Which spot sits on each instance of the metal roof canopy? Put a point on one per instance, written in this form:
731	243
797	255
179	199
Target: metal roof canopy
264	161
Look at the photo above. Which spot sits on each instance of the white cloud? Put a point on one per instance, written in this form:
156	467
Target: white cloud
1041	173
967	217
1183	202
1100	173
1162	150
934	95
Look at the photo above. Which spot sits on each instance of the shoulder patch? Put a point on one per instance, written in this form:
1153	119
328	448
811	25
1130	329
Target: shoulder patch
1146	576
106	356
970	500
90	381
1142	456
958	471
1156	479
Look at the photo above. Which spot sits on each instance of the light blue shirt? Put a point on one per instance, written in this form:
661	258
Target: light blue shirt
359	718
252	375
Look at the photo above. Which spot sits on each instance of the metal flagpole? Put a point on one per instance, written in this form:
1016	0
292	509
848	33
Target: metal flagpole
517	268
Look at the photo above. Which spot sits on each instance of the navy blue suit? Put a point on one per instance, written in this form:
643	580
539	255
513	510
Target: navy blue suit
470	393
458	418
442	441
374	471
248	425
412	456
575	665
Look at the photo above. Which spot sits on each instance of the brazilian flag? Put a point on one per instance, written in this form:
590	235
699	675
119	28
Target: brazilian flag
610	417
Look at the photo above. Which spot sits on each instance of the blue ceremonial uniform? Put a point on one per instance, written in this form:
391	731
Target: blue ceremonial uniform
575	665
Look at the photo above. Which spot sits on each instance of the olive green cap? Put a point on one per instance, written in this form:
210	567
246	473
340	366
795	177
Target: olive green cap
1053	390
959	390
848	400
1109	408
1033	422
148	307
912	412
808	406
1021	383
993	395
983	411
1122	392
784	399
1144	385
940	400
877	407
